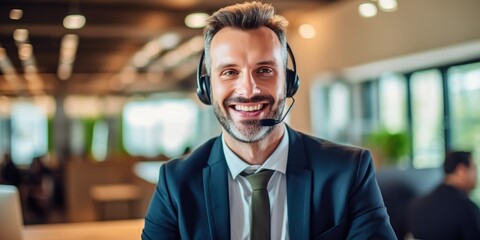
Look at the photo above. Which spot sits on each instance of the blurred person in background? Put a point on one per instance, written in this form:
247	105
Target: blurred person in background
447	212
9	172
40	190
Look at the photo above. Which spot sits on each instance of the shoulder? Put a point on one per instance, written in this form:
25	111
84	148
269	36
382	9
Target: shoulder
193	162
463	201
466	209
329	146
446	196
326	158
325	150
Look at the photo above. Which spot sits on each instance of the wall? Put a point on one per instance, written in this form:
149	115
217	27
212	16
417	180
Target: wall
344	39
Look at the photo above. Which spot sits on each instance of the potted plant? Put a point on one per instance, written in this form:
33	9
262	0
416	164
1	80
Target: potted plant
388	148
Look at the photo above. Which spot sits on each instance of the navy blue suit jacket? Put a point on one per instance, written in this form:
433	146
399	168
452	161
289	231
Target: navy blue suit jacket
332	193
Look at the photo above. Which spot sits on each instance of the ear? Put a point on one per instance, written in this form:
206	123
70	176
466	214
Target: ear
462	170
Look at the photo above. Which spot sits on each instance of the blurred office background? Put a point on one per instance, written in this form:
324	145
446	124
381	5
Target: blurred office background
100	92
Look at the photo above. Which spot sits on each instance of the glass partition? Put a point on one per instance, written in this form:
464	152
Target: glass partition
427	119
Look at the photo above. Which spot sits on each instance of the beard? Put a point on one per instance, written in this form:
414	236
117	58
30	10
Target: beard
247	131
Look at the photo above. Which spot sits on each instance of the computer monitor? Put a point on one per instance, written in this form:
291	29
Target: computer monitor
11	221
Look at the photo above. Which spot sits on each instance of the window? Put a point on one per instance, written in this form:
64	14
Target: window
464	99
4	135
339	111
141	128
427	119
78	137
369	106
411	109
29	132
178	120
393	103
159	126
319	108
100	140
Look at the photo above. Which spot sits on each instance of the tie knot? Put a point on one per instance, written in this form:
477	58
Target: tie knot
259	180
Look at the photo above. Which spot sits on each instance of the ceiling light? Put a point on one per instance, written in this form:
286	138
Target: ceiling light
307	31
30	69
33	78
25	51
6	66
68	51
195	43
140	59
367	10
68	48
5	105
3	53
20	35
77	106
64	71
74	21
152	49
388	5
16	14
169	40
70	41
196	20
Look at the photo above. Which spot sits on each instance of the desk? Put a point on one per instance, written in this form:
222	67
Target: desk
102	195
118	230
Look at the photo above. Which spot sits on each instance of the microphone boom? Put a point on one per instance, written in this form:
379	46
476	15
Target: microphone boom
268	122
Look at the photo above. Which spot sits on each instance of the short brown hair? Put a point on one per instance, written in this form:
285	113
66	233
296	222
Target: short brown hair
455	158
245	16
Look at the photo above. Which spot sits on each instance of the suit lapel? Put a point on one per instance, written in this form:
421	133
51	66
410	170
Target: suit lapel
299	181
215	185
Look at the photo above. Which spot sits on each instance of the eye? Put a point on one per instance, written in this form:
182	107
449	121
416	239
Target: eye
265	70
229	72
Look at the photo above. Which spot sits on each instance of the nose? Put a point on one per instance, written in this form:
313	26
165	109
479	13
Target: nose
247	86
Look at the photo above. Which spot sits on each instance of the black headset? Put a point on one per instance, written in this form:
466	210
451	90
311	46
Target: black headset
203	81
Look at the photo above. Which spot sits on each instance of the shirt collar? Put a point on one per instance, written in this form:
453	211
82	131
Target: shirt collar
277	161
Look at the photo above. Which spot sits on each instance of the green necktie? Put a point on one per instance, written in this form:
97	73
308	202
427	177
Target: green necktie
260	207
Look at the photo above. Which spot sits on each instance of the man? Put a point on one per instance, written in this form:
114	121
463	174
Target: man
9	172
317	189
447	212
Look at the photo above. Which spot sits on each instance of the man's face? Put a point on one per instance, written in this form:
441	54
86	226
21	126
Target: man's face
248	81
472	174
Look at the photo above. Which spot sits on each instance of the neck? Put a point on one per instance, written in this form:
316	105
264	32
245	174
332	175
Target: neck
456	183
256	153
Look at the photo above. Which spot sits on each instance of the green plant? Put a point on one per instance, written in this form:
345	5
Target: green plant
391	147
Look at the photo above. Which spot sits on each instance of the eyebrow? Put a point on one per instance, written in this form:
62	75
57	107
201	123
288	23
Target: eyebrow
269	62
223	66
229	65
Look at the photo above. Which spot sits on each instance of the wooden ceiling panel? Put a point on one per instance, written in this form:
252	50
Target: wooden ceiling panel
115	31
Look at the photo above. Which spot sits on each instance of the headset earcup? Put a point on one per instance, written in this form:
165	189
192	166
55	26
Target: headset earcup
292	83
203	89
203	83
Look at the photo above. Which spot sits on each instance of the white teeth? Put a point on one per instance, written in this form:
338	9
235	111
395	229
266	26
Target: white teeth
248	108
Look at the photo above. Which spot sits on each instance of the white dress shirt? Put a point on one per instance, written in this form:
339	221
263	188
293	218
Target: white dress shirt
240	192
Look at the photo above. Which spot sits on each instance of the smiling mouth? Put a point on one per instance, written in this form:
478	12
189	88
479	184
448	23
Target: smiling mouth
250	108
